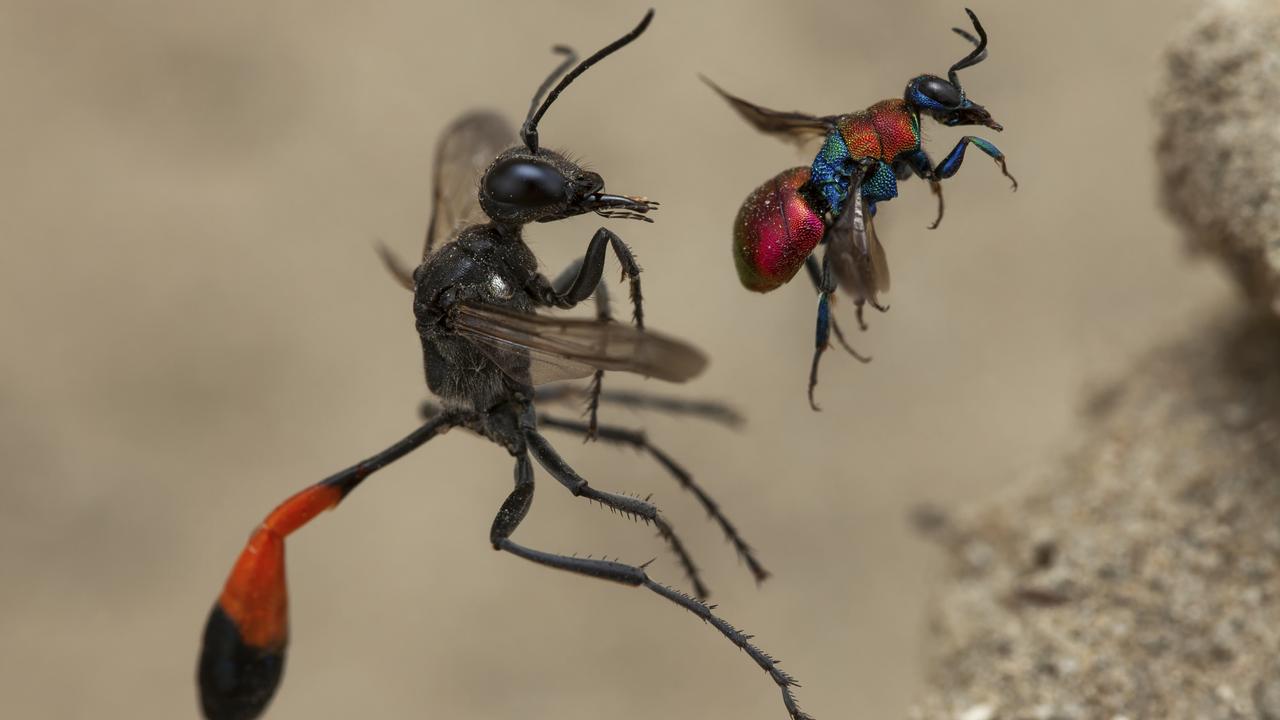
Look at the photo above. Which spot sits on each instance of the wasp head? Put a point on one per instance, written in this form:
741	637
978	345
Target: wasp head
522	187
946	103
533	184
944	100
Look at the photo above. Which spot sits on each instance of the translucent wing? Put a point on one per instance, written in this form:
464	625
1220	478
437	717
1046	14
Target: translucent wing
794	127
463	152
857	257
537	349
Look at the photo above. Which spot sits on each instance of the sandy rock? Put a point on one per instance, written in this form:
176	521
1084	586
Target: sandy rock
1219	150
1141	577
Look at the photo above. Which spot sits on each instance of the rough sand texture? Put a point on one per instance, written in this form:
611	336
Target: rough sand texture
1141	579
1219	151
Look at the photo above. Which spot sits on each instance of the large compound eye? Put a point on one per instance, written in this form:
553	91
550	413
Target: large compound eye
525	184
940	91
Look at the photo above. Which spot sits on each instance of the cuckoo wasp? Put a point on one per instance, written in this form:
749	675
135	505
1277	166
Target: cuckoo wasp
863	156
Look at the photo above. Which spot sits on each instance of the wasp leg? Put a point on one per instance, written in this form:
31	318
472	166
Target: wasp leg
590	270
815	275
603	313
402	273
582	278
628	506
936	188
951	163
822	333
820	344
516	507
639	441
921	164
710	410
243	651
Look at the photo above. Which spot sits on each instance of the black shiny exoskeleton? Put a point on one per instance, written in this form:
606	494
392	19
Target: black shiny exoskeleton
485	348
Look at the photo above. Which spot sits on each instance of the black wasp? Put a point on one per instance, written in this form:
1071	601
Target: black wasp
485	349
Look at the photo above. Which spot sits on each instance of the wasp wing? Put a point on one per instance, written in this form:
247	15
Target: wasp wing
795	127
857	257
463	152
537	349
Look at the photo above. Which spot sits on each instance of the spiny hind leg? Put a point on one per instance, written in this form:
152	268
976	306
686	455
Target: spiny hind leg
628	506
516	507
638	440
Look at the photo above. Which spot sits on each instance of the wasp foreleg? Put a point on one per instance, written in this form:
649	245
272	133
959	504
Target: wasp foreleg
951	163
589	271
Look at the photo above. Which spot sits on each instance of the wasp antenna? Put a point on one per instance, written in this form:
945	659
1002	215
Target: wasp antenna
529	131
570	58
979	52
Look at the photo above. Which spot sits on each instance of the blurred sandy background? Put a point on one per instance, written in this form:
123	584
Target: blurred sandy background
195	325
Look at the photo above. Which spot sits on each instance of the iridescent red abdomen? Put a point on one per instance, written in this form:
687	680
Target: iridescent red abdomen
775	231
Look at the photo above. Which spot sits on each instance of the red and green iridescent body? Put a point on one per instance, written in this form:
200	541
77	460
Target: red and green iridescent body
783	220
832	202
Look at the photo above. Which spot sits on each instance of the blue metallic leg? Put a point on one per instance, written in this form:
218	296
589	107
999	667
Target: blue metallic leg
815	275
821	339
822	332
951	163
921	164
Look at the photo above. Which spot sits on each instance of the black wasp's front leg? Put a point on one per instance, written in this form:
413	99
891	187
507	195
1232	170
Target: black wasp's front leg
589	273
580	280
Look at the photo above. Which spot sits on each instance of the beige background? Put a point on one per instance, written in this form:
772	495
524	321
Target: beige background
195	326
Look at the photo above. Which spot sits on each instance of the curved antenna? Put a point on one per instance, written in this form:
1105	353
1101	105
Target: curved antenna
529	131
979	53
570	58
